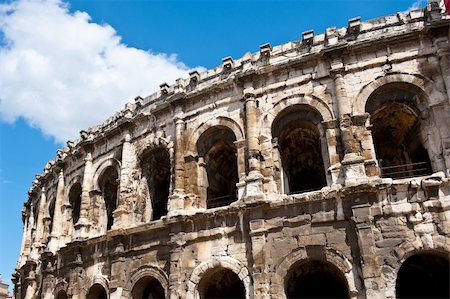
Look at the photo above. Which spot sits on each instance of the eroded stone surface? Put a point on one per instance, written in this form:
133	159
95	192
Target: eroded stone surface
325	159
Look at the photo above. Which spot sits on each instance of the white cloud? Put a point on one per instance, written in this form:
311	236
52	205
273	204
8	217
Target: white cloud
417	4
63	73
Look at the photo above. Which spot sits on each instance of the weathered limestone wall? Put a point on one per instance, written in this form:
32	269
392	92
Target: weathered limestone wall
326	156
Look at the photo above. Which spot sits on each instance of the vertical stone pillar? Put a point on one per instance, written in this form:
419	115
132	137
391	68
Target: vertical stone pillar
48	279
202	182
30	278
253	181
352	162
122	212
371	271
24	247
261	285
53	244
83	224
443	52
29	240
176	199
331	136
38	238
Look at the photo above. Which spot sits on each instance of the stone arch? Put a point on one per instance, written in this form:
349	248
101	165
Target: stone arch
60	288
216	122
217	170
316	253
97	285
225	262
112	162
297	99
144	272
156	167
74	198
301	149
402	253
430	91
106	193
400	137
423	274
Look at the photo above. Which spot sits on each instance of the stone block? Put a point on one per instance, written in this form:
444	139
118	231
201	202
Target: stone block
312	240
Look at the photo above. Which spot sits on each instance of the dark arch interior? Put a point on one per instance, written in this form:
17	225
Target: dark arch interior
217	148
148	288
396	129
296	129
97	292
51	210
315	279
155	167
221	283
75	201
424	276
61	295
109	185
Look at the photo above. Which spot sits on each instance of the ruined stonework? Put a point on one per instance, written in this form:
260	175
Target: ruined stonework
320	167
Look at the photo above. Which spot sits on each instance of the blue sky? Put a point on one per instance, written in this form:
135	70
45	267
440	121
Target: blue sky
65	66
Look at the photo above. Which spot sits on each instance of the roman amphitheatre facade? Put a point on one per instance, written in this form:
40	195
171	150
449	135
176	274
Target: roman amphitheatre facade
317	168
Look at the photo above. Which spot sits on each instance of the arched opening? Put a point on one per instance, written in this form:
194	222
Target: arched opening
299	144
155	166
424	275
109	185
148	288
397	131
315	279
51	211
61	295
221	283
75	201
97	291
217	149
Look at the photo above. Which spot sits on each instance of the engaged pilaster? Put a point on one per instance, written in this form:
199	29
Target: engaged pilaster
53	244
353	162
83	224
176	199
122	212
254	180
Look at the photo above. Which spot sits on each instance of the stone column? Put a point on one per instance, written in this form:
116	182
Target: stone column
352	162
122	212
83	224
202	182
176	199
53	244
38	237
253	181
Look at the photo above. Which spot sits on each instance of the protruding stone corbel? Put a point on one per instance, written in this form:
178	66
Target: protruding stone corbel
308	37
164	88
227	62
354	25
194	77
433	10
265	50
332	36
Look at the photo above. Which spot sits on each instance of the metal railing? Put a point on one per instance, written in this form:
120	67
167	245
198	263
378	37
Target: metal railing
220	201
405	170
